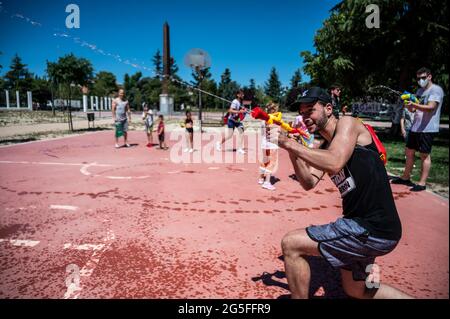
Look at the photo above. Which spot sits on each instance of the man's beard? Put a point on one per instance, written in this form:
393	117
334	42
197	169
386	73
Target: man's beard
322	122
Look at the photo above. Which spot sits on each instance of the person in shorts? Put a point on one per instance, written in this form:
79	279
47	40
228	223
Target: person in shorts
120	110
424	128
234	122
370	226
189	126
161	133
147	117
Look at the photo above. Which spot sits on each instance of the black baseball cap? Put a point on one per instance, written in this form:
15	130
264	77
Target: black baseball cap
313	95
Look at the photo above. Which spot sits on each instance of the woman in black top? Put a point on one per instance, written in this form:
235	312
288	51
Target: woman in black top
189	125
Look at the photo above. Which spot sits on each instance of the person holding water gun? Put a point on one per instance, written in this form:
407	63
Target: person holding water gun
370	226
425	126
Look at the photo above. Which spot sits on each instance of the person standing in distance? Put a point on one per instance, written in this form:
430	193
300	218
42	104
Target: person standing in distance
120	110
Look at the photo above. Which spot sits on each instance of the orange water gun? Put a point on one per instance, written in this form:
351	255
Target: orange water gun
276	118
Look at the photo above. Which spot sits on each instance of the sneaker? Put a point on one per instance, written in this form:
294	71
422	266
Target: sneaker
149	145
402	181
261	181
127	145
186	150
241	151
117	146
418	188
268	186
191	150
218	147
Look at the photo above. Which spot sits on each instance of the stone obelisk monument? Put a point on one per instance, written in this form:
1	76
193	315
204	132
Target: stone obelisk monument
165	100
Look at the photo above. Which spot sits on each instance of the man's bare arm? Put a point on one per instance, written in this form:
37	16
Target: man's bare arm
307	176
431	106
128	112
333	159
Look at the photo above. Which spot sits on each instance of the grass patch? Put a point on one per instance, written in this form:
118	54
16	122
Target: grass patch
395	148
16	117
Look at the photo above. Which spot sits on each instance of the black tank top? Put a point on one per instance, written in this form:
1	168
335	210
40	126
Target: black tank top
367	195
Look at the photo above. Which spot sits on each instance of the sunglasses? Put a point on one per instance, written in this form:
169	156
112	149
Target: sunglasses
422	77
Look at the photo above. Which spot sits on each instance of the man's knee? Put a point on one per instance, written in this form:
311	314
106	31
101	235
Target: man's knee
295	243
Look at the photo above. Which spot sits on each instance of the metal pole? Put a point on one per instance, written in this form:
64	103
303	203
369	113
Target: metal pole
17	99
200	110
30	100
7	99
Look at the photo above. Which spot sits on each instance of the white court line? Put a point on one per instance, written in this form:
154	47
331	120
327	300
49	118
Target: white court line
21	242
64	207
174	172
54	163
213	168
83	169
47	140
8	209
87	270
84	246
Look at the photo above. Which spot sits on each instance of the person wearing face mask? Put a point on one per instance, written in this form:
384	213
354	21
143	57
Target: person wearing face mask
424	128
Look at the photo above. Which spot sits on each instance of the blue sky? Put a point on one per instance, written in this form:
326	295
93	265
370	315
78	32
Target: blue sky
247	36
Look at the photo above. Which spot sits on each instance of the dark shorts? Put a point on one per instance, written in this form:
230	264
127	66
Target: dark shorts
161	137
190	130
421	142
233	124
345	244
407	136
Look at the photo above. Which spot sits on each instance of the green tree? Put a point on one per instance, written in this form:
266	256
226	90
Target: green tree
296	79
132	90
41	89
173	66
412	34
157	63
250	91
105	84
203	80
252	85
227	87
151	89
178	90
69	73
260	96
273	87
18	78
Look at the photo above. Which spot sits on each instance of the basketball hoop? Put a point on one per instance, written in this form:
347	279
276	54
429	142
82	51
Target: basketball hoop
198	60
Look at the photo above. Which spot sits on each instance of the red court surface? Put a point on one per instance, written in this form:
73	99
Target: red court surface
136	225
